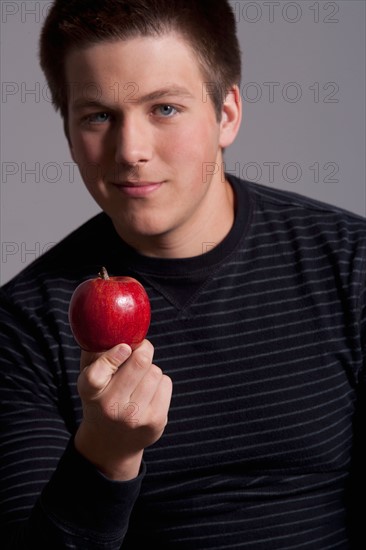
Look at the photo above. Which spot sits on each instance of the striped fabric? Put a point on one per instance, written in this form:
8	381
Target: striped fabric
263	337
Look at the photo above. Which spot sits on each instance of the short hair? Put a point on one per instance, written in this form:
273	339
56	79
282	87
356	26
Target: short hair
208	26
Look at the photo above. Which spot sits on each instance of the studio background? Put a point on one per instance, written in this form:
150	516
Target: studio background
303	128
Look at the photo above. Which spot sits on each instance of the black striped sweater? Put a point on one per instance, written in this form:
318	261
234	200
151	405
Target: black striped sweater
263	336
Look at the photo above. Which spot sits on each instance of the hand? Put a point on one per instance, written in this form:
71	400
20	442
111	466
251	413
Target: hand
125	400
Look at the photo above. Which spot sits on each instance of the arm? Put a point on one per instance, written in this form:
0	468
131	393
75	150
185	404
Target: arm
357	486
47	488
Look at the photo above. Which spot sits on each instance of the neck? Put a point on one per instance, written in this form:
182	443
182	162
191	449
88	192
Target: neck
204	232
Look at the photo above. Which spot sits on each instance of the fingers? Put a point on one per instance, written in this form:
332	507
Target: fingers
98	369
144	392
127	378
130	398
116	355
134	369
160	403
151	400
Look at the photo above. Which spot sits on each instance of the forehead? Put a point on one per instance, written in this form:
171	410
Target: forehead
141	60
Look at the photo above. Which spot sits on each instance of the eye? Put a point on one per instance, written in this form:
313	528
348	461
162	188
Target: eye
166	111
97	118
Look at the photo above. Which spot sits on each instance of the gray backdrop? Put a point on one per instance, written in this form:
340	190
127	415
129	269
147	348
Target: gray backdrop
303	128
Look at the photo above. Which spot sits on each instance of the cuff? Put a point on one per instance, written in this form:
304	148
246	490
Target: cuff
82	499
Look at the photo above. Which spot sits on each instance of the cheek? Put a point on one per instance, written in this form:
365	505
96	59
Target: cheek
91	164
190	145
87	149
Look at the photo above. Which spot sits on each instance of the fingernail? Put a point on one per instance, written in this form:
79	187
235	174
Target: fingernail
122	352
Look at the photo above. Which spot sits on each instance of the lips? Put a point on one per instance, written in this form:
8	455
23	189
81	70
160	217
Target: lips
137	189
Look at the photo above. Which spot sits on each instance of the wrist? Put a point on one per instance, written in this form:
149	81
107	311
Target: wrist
121	468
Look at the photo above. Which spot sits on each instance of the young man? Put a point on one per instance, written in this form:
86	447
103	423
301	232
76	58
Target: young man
262	336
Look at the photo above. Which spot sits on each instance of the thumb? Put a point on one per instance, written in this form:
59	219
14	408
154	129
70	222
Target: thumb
98	369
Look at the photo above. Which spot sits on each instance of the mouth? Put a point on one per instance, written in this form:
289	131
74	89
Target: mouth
137	189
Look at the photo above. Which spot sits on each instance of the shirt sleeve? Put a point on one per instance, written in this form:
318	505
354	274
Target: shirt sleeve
50	496
357	485
363	329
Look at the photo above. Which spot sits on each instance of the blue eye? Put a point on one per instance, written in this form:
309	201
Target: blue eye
166	110
97	118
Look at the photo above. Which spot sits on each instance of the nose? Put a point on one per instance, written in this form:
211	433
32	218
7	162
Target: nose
133	142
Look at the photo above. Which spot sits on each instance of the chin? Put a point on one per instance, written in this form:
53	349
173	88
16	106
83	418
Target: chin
140	231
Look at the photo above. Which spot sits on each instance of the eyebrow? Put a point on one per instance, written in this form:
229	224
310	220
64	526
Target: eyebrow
176	91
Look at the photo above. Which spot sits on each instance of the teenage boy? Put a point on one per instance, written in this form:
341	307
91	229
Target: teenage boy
262	334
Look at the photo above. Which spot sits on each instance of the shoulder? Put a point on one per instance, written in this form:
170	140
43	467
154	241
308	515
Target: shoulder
62	266
281	198
310	231
281	204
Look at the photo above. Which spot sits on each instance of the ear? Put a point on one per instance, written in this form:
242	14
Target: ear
231	117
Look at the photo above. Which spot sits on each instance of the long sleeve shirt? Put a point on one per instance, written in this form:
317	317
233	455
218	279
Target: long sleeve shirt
263	336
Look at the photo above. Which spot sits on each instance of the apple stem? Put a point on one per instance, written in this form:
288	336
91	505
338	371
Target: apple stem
103	274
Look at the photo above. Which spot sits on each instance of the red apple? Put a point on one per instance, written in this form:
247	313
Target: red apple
106	311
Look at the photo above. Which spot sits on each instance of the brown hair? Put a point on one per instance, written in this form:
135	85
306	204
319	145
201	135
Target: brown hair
208	26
